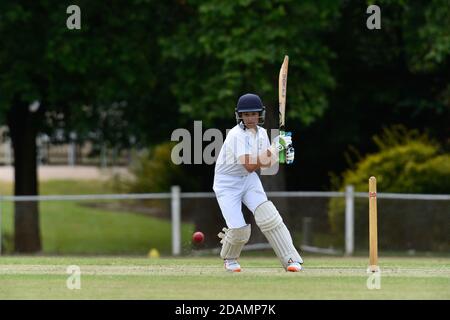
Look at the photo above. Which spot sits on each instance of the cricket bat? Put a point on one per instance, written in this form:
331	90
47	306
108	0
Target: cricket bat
282	86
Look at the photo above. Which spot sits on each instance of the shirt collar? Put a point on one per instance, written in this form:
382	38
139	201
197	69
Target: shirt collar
243	127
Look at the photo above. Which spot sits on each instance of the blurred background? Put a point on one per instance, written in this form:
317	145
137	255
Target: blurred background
91	110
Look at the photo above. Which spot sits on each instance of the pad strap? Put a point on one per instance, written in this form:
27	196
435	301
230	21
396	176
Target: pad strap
233	240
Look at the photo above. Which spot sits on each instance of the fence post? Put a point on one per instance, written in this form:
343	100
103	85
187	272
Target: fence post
71	154
349	220
307	231
103	155
72	150
8	152
176	220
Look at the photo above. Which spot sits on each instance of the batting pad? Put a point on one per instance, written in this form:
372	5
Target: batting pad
233	240
272	226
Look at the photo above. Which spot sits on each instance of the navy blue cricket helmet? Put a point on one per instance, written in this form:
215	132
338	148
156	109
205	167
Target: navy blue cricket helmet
250	103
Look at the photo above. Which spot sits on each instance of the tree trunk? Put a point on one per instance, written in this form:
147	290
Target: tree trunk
23	129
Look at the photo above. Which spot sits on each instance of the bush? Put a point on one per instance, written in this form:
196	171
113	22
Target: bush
406	163
154	171
431	176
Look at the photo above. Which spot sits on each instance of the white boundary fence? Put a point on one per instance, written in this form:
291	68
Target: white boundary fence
176	197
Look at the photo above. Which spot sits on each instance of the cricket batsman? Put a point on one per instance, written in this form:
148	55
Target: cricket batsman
247	149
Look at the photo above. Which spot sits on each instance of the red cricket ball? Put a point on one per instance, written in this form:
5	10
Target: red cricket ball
198	237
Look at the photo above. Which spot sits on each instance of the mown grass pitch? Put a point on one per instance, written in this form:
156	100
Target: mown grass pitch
203	278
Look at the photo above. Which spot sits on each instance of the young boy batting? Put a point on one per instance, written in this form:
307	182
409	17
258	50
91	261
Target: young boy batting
247	149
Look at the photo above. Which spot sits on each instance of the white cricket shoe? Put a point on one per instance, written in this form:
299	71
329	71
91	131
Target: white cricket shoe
232	265
294	267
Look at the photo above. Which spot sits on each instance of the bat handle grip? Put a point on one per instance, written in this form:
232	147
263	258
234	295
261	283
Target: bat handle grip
282	154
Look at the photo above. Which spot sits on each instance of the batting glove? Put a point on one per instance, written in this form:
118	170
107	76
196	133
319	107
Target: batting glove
280	142
290	154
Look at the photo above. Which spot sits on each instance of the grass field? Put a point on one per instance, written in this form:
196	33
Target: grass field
75	227
203	278
70	230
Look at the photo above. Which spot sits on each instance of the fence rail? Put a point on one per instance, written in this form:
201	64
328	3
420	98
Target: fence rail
176	197
194	195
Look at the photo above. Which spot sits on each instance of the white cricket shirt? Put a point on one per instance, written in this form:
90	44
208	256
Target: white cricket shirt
238	142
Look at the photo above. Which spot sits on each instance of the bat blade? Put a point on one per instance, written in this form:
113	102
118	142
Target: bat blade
282	88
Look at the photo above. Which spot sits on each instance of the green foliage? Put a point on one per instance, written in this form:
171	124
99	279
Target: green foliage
418	30
226	48
99	79
154	171
425	30
402	154
433	175
384	78
406	163
184	60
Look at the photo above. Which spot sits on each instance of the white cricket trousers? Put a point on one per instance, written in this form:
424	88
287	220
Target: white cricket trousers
232	191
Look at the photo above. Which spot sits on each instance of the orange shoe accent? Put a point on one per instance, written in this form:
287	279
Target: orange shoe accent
233	266
293	269
235	270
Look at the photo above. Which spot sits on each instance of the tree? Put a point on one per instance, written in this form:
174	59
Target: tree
101	79
225	48
395	75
